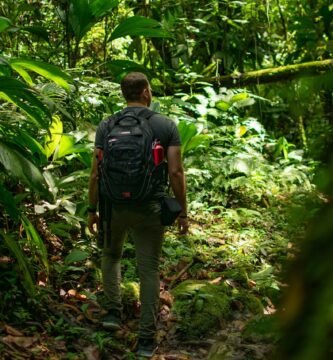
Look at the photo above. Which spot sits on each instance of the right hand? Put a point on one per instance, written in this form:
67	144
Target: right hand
93	221
183	225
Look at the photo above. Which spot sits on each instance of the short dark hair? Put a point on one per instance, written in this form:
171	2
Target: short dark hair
133	84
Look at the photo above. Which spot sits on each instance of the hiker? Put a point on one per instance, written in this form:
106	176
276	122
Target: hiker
133	211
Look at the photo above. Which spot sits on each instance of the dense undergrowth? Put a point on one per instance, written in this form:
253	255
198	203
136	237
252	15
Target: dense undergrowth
229	267
249	160
245	190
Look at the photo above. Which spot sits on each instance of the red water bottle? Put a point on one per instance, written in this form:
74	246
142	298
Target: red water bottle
158	153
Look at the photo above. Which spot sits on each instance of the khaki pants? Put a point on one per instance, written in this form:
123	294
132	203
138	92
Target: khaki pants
147	234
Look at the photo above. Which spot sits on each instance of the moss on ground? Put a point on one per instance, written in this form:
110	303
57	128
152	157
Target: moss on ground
200	306
261	328
251	302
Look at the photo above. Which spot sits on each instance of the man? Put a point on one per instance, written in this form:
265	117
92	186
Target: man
143	220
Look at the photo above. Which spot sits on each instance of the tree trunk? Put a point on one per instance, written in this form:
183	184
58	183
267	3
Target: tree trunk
282	73
265	76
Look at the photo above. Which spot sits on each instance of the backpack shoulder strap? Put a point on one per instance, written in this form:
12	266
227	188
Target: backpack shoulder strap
146	113
112	119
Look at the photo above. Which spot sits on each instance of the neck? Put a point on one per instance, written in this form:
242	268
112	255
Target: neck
136	104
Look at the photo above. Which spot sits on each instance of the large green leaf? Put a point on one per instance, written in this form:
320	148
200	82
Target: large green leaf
84	14
22	168
53	137
25	98
103	7
4	23
76	255
48	71
120	67
189	138
22	261
67	146
34	147
186	132
195	142
139	25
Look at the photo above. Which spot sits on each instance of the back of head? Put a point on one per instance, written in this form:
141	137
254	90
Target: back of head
132	86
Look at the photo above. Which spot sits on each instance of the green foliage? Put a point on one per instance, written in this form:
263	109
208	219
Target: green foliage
200	306
48	71
25	98
4	23
139	25
23	263
35	242
84	14
76	255
247	153
22	168
234	161
262	327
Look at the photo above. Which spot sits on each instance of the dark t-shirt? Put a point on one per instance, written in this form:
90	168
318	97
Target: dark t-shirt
163	128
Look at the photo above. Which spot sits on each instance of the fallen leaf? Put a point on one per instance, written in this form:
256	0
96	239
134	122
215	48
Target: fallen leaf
251	283
177	357
89	314
20	341
203	351
72	293
202	274
166	298
11	331
92	353
80	318
231	283
5	260
216	281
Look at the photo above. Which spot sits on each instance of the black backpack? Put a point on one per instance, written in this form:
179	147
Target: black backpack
127	170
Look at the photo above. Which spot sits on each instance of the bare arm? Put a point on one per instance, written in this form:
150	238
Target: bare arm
93	193
178	183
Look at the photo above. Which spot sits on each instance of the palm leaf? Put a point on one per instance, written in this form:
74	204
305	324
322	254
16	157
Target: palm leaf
137	26
23	264
22	96
84	14
48	71
55	96
20	167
